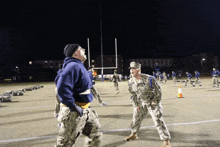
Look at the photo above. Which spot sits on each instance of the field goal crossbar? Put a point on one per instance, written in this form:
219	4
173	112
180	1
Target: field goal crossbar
102	68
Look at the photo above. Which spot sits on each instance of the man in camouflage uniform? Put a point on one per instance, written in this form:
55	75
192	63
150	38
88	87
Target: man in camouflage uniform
146	96
174	77
75	115
115	80
215	81
164	77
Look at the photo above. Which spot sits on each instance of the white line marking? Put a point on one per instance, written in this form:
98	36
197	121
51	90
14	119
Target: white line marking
174	124
25	107
25	139
118	130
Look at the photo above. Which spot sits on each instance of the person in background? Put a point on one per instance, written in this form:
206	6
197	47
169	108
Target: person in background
180	76
94	90
197	78
164	77
215	81
161	77
189	79
115	80
154	74
174	77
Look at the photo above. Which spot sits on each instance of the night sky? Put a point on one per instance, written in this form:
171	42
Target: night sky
31	30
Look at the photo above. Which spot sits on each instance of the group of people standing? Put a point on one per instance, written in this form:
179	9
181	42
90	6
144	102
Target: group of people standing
162	77
189	78
215	81
75	92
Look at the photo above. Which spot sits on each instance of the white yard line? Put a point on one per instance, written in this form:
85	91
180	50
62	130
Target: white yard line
117	130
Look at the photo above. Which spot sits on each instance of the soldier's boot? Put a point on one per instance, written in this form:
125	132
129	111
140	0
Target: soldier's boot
166	144
133	136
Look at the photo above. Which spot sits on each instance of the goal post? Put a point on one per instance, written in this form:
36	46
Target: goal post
102	68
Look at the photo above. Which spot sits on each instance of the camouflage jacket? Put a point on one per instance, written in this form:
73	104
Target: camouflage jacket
115	78
147	90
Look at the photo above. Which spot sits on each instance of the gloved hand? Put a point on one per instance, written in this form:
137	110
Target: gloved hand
77	109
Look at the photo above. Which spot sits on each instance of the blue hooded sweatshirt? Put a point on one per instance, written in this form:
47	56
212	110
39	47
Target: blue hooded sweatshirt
189	75
197	74
215	73
73	80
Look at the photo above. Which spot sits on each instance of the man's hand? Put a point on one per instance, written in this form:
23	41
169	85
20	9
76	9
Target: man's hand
77	109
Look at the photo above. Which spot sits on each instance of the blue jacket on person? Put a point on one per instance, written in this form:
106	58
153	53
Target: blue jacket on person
73	80
215	73
197	74
189	75
155	75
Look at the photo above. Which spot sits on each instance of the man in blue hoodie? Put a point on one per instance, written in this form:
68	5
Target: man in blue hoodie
73	87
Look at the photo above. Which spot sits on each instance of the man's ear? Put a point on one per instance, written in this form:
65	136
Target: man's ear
74	54
139	71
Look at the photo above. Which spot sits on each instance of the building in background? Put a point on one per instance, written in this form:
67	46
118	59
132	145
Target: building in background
148	65
109	61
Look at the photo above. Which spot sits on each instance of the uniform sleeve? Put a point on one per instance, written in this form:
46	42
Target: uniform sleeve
133	96
65	85
130	89
156	90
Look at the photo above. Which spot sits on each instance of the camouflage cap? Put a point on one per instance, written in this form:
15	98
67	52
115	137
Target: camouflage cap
135	65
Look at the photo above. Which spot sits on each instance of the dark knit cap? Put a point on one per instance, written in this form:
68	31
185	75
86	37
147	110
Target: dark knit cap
70	49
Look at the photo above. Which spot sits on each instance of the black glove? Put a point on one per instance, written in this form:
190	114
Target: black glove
77	109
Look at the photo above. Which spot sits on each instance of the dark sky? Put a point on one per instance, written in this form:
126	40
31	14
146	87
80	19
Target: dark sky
150	29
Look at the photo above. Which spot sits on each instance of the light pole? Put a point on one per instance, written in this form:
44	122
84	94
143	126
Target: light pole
202	63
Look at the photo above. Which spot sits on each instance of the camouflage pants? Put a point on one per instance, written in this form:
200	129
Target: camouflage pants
116	85
215	81
72	125
157	116
165	79
96	94
174	80
197	81
189	80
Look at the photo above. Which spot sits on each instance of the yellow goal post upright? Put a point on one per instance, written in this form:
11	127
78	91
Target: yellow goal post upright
102	68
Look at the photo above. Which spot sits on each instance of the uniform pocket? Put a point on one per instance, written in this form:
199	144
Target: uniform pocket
63	114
